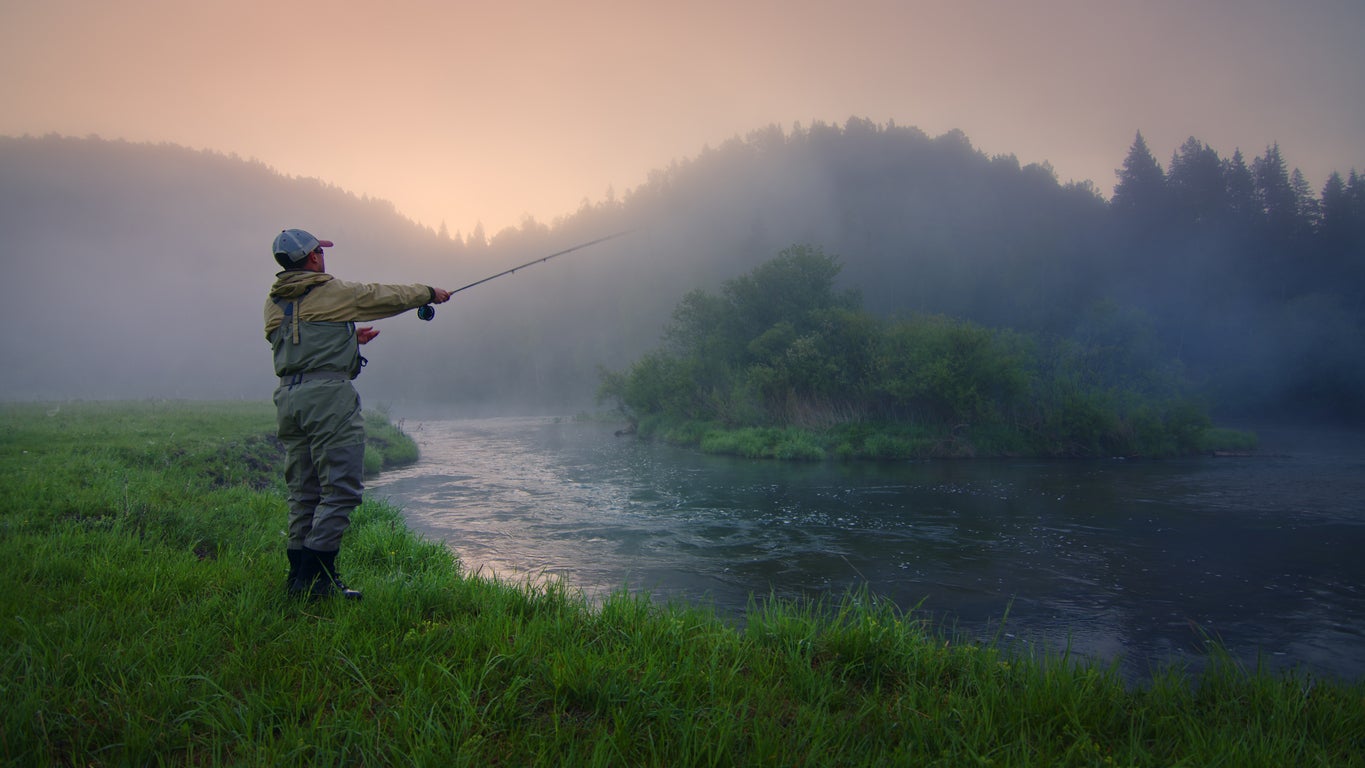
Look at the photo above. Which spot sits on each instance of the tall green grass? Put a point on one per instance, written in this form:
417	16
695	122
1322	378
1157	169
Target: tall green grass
143	622
386	446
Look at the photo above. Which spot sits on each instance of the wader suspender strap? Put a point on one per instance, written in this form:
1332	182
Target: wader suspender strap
291	316
291	311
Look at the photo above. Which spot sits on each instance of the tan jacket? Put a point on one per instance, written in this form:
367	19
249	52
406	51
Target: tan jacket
310	319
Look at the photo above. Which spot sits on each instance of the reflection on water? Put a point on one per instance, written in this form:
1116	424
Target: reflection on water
1134	561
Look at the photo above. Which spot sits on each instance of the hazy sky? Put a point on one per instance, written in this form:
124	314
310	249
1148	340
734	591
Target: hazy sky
492	110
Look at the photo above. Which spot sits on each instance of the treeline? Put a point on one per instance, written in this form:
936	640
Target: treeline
1243	275
148	265
1270	212
780	363
1249	273
1234	266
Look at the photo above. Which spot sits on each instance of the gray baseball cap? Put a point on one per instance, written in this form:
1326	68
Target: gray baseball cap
295	245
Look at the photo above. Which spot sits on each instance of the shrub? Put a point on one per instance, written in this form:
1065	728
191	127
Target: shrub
795	445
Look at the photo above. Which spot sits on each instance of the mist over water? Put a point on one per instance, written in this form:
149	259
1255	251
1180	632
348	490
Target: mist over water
1139	562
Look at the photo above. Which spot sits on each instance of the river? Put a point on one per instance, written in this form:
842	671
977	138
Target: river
1133	562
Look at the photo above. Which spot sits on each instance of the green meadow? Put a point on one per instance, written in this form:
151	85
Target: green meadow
143	621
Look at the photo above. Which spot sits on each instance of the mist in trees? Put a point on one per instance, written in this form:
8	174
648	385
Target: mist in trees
137	270
1233	266
1249	277
140	271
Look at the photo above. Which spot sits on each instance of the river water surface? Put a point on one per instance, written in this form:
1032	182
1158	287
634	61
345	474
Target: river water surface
1136	562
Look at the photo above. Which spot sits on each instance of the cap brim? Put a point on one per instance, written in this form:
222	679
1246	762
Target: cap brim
324	243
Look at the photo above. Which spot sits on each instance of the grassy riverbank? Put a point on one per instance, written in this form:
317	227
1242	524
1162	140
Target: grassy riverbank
143	622
883	442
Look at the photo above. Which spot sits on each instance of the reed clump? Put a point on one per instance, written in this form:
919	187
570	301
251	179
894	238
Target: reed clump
143	621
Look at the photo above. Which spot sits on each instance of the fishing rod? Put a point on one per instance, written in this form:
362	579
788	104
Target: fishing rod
427	312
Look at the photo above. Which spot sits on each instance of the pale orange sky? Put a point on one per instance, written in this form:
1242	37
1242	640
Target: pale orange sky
492	110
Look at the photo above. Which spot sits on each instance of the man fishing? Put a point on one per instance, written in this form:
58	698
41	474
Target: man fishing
310	322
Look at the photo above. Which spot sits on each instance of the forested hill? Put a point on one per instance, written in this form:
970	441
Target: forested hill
140	270
136	270
1232	265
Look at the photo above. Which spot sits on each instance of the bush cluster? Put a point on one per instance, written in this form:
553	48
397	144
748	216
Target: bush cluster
780	364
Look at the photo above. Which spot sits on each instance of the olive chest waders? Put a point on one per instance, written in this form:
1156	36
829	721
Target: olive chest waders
323	432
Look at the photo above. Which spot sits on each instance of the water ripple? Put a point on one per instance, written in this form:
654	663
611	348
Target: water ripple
1139	561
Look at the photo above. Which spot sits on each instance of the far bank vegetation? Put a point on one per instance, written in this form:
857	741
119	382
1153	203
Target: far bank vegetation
782	364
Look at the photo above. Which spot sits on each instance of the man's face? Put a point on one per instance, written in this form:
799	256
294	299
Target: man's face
316	261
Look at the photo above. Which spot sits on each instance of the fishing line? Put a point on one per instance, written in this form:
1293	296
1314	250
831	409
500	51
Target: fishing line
428	312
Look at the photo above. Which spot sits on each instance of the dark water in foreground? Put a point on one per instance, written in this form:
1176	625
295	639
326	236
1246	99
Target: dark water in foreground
1137	561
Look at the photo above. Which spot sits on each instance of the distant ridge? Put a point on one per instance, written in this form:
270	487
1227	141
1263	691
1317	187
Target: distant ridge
139	270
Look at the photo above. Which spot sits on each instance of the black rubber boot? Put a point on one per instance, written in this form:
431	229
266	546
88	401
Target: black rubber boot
322	579
294	585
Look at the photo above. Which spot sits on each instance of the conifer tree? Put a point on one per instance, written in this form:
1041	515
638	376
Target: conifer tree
1241	191
1335	206
1198	192
1275	194
1306	206
1140	197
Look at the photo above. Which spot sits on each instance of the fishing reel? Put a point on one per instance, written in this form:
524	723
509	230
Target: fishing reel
427	312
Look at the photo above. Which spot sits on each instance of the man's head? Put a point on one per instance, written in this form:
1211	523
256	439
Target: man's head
297	249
